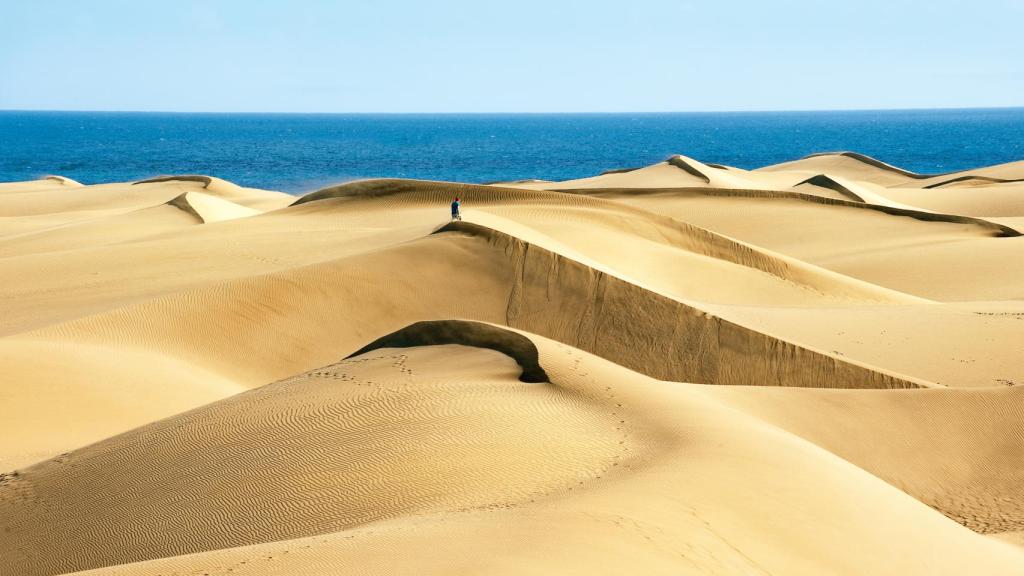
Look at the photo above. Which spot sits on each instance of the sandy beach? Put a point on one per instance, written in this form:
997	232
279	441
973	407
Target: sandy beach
809	368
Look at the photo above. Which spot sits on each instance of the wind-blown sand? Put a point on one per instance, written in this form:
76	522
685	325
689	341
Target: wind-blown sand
810	368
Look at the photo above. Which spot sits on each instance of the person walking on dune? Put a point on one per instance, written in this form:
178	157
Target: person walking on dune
456	215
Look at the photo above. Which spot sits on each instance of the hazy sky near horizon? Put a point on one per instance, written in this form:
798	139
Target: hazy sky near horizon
523	56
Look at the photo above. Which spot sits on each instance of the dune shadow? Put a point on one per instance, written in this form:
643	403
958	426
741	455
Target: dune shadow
467	333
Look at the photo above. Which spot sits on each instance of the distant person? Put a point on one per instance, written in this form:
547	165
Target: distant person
456	215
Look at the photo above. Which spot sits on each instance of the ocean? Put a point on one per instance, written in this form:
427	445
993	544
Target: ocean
302	152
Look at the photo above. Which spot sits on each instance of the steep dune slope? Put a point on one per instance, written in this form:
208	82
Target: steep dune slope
251	331
209	208
566	226
560	223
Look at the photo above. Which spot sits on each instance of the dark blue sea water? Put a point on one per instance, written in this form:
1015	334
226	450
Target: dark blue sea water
301	152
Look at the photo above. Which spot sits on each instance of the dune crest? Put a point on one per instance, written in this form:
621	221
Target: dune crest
476	334
875	163
689	166
204	180
825	181
63	180
208	208
970	180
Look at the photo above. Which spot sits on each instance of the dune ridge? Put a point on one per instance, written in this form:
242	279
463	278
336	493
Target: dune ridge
682	368
476	334
875	163
826	181
63	180
622	439
997	228
693	345
338	448
206	208
974	179
687	165
204	180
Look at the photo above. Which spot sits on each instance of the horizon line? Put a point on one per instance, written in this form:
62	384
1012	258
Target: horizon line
506	113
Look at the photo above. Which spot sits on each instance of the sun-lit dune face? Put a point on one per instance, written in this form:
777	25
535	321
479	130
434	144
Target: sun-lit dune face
392	432
948	453
809	368
400	449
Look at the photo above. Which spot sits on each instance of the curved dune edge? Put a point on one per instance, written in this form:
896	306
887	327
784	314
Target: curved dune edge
204	180
686	235
466	333
181	202
998	229
224	200
874	162
210	184
677	485
857	190
385	187
612	171
658	335
207	209
385	435
63	180
252	330
972	178
687	165
826	181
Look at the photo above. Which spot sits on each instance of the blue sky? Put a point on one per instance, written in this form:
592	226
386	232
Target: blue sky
522	56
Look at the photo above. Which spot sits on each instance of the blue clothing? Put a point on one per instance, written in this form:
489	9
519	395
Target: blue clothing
455	207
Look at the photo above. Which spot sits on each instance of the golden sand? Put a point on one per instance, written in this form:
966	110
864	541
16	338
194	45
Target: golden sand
809	368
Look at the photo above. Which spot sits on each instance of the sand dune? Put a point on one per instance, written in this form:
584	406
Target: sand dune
825	181
630	469
210	208
853	166
981	198
685	368
64	181
958	450
969	180
45	197
44	183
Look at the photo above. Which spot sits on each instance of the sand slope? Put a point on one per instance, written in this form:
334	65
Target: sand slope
685	368
406	448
